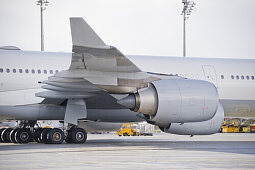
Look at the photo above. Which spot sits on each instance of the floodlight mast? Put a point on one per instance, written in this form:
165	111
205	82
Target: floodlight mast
43	4
188	6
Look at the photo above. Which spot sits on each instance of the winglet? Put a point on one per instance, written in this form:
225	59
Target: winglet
83	34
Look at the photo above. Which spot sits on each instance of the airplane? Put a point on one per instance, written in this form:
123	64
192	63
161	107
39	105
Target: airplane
97	83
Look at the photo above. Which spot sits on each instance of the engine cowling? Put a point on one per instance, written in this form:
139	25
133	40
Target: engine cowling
175	101
198	128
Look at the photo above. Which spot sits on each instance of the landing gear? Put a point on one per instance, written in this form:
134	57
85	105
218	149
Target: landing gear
76	135
26	132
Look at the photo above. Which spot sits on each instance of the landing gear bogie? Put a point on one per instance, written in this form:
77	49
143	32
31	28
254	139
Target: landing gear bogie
26	132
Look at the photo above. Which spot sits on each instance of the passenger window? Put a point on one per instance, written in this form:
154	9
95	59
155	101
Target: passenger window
8	70
1	70
39	71
252	77
20	70
232	77
242	77
33	71
14	70
237	77
56	71
26	71
45	71
247	77
51	72
222	76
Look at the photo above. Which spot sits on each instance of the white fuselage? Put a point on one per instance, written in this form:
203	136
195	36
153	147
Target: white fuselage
234	78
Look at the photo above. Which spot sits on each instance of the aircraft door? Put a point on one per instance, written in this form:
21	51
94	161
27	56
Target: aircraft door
210	74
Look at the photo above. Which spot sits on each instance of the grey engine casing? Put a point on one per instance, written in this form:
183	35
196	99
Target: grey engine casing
185	100
174	101
198	128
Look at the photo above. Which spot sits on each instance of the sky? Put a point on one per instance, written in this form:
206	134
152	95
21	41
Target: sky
216	28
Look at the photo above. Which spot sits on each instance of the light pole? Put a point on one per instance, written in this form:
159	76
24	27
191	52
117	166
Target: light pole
43	4
188	6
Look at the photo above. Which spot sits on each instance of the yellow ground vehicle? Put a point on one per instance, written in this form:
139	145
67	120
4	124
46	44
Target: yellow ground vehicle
230	128
127	130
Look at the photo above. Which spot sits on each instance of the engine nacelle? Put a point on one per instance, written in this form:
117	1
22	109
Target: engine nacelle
175	101
198	128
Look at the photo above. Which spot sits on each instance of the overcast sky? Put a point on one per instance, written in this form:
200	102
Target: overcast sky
216	28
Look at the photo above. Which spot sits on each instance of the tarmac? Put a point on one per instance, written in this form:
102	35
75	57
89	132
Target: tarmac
160	151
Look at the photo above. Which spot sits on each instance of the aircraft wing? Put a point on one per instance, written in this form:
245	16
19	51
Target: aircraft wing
96	69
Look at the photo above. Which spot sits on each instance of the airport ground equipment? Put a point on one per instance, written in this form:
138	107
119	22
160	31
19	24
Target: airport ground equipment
230	128
235	126
252	128
127	130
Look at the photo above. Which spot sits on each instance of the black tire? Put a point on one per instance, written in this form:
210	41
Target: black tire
23	135
69	137
36	135
1	130
55	136
78	135
12	135
5	135
43	135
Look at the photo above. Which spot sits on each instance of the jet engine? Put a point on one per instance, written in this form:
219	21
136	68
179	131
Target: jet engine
174	101
198	128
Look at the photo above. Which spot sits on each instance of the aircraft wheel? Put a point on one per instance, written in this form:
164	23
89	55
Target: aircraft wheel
43	135
55	136
78	135
1	130
36	135
5	135
12	135
69	137
23	135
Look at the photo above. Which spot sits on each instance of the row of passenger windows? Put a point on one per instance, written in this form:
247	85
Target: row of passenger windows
239	77
33	71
